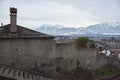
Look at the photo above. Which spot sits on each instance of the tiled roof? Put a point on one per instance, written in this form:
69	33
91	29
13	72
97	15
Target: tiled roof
22	32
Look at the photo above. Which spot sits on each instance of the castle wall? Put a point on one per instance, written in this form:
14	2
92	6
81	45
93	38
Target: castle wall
69	50
24	51
29	52
70	54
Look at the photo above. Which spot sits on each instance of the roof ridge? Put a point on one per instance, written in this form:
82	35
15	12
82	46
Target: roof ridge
23	32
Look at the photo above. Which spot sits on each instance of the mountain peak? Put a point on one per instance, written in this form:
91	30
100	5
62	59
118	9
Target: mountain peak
103	28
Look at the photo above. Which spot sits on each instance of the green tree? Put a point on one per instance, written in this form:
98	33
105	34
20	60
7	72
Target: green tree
82	42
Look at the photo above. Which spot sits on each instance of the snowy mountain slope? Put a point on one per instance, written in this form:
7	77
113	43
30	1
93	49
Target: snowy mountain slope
107	28
57	29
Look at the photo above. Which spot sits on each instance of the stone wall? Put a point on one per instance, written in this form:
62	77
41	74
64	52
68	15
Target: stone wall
31	52
68	55
25	51
69	50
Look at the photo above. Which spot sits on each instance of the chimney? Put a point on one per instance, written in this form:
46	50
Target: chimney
13	20
1	24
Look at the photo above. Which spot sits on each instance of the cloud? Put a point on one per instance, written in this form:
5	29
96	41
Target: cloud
54	13
64	12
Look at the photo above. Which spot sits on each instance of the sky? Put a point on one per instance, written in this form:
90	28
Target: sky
69	13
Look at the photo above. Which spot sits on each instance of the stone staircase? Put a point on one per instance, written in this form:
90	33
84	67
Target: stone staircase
14	73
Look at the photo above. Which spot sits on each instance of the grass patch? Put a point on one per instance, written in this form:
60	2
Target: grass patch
107	71
86	74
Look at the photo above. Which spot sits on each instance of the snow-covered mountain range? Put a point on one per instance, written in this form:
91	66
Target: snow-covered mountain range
107	28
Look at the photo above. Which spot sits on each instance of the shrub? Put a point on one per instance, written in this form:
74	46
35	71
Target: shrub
82	42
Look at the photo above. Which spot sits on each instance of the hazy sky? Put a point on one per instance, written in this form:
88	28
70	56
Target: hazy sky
70	13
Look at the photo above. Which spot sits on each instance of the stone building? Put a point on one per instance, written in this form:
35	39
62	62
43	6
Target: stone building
20	45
